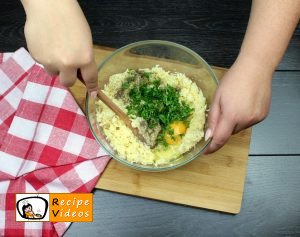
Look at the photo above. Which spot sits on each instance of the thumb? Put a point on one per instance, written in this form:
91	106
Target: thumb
90	77
221	135
213	117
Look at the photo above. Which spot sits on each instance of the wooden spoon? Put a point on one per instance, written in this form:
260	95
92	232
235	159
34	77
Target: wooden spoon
123	116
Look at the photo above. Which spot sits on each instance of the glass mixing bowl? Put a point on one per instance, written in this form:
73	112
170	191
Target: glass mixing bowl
146	54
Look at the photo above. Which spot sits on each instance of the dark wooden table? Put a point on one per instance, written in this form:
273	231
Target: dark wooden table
214	29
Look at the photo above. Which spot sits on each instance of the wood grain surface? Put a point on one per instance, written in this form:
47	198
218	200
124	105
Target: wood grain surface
214	182
271	208
212	28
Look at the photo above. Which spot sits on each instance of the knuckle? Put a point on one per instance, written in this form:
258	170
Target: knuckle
50	66
51	72
87	58
67	62
212	120
262	116
92	83
256	117
67	83
219	141
252	118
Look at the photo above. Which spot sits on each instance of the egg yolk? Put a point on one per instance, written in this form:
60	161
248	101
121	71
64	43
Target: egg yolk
179	128
172	140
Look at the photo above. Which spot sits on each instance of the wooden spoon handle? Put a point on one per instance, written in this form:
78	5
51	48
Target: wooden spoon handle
107	101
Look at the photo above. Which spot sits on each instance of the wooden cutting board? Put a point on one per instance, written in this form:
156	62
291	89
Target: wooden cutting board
214	182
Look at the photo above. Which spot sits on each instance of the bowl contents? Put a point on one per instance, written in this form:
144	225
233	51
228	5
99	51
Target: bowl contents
166	107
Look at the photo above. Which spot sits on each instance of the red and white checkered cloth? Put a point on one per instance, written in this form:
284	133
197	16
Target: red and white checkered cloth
45	142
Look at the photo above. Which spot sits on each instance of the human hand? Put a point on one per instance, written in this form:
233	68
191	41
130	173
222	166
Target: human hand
59	37
242	100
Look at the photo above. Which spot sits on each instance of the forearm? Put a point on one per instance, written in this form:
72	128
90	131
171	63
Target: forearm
33	5
270	27
46	9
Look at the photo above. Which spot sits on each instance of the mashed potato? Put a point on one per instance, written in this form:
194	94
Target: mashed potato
131	148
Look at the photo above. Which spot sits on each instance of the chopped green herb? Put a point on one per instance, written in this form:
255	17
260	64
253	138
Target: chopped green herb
155	103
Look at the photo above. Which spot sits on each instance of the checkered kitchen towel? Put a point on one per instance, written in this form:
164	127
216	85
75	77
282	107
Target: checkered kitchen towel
45	143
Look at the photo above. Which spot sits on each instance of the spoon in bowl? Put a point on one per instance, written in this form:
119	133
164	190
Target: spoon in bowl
141	135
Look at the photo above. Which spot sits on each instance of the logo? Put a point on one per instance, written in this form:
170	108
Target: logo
32	207
54	207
